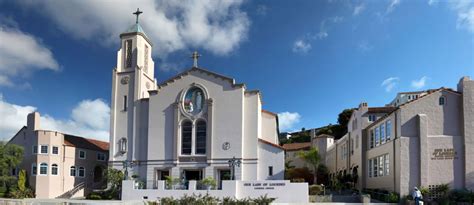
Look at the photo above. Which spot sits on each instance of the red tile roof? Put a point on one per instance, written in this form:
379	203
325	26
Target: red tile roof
269	143
85	143
297	146
387	109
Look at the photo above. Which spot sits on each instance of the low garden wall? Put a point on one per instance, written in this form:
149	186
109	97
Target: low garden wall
282	190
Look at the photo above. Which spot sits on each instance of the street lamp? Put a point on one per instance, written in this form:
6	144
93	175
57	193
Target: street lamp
126	164
232	163
324	189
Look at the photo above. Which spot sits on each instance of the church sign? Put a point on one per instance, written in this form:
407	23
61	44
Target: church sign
265	185
444	154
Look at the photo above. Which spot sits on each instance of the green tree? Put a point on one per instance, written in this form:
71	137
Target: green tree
22	191
10	157
312	158
114	180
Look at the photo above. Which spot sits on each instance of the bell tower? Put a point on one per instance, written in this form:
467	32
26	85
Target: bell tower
131	80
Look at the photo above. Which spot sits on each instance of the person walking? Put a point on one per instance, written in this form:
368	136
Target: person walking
417	196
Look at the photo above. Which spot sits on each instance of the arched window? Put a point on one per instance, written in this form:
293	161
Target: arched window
186	135
54	169
442	100
201	137
82	172
43	169
123	145
72	171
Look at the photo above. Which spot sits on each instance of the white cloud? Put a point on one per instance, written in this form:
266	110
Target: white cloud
216	26
287	120
358	9
21	54
432	2
417	84
393	4
465	11
301	46
390	83
90	118
262	10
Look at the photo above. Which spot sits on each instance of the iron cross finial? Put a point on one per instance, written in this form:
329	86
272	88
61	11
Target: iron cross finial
137	13
195	57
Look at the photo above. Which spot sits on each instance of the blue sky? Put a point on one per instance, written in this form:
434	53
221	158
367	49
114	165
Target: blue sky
310	59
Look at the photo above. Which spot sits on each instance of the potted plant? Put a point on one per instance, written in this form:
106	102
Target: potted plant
209	183
172	182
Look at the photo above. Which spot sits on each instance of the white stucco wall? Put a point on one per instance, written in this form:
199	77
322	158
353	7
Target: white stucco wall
269	155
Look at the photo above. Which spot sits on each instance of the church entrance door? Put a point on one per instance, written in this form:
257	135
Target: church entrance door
223	175
193	175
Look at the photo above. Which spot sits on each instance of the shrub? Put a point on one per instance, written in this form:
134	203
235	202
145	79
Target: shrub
297	180
209	182
461	195
301	173
263	200
393	198
315	189
94	196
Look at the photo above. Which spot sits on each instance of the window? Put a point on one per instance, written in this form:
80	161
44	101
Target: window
14	171
55	150
377	136
375	164
352	146
381	162
409	97
35	149
34	169
387	164
382	133
82	154
72	171
82	172
123	145
388	128
101	156
146	59
201	137
372	118
442	100
186	141
357	141
128	57
54	169
124	103
270	171
370	167
43	149
43	169
371	139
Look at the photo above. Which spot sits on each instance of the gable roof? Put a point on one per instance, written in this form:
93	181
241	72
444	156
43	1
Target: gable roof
297	146
429	92
85	143
387	109
187	72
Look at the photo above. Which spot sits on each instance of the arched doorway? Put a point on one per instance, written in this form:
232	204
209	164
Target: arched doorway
98	173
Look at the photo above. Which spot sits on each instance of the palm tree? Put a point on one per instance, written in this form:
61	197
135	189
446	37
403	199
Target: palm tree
311	157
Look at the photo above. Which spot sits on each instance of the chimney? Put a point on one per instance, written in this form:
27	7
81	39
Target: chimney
33	121
461	83
362	104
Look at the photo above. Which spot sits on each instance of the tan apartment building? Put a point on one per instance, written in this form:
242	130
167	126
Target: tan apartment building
427	141
58	164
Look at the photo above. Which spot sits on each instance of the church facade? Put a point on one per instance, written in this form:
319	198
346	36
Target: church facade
189	126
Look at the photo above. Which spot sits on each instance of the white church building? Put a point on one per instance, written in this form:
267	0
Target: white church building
189	126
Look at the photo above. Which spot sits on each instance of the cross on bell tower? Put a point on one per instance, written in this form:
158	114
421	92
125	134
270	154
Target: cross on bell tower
137	13
195	57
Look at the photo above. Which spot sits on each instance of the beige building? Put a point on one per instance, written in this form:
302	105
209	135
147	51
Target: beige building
425	142
58	164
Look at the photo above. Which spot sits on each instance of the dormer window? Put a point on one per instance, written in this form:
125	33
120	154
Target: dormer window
123	145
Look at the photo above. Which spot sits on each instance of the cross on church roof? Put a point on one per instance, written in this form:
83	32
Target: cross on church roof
195	57
138	12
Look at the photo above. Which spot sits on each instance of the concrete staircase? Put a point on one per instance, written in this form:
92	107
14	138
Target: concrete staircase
70	193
